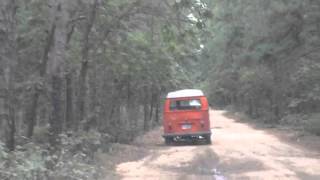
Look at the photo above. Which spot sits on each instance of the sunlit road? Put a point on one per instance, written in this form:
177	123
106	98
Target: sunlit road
238	151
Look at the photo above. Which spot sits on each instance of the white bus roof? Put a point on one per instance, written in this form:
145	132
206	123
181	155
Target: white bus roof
185	93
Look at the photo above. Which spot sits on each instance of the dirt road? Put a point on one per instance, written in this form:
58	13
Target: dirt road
238	151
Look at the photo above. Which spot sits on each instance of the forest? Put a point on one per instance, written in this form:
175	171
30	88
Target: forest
262	58
76	76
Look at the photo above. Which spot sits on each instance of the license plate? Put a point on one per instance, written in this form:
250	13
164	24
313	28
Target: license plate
186	126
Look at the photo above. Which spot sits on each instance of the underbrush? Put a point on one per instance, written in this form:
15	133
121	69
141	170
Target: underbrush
308	123
313	124
305	123
75	159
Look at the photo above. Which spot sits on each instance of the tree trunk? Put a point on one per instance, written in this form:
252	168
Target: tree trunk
10	140
10	74
56	69
157	113
275	106
82	92
146	110
56	115
85	63
152	104
145	121
10	111
69	101
32	112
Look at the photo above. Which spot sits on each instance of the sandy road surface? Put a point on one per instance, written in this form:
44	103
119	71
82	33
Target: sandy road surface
238	151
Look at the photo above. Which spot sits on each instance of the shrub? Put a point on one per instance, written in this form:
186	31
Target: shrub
313	124
74	161
22	165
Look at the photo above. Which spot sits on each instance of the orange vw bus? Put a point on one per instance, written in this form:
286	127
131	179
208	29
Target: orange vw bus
186	116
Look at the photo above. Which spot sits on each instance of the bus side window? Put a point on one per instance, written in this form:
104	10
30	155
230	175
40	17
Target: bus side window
173	105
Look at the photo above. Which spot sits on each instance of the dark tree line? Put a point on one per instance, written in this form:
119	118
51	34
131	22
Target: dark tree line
262	57
70	66
77	75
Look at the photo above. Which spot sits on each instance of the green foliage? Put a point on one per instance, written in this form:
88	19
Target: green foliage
313	124
75	159
111	64
262	57
26	163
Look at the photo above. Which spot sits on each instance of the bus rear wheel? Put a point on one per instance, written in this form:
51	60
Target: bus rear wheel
207	139
168	140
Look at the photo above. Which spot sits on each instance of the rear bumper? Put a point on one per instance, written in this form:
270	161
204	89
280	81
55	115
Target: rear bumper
186	134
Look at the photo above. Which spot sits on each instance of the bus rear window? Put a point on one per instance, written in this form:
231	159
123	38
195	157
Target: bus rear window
185	104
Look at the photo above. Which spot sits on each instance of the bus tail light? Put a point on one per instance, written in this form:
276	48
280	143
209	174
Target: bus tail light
202	123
